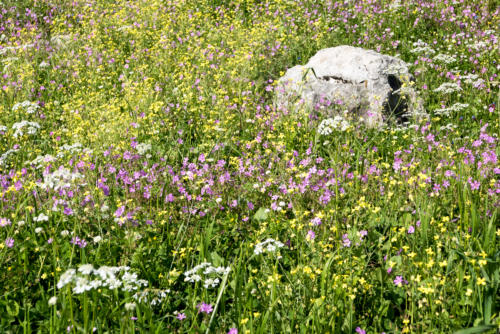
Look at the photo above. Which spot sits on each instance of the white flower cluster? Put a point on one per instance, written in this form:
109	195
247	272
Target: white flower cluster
60	179
32	128
41	218
41	160
27	106
422	48
3	128
454	108
395	69
143	148
472	79
74	148
87	278
6	155
10	48
327	126
444	58
151	296
60	40
209	274
479	45
448	87
269	245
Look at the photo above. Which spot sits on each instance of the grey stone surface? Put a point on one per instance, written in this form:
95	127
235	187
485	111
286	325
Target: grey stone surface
366	83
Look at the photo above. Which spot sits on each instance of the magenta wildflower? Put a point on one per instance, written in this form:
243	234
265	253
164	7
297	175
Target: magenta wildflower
316	221
4	222
233	331
310	235
411	229
205	308
345	241
9	242
398	281
474	185
181	316
359	330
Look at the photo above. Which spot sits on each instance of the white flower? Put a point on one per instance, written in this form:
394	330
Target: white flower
28	106
211	275
66	278
129	306
444	58
448	87
38	230
81	285
97	239
52	301
327	126
41	218
423	50
32	128
64	233
86	269
143	148
269	245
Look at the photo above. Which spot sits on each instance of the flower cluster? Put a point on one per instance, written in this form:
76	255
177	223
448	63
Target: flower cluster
88	278
327	126
151	296
448	88
269	245
210	275
27	106
60	179
19	128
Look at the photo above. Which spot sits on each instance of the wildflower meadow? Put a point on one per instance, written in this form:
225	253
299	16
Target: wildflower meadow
150	184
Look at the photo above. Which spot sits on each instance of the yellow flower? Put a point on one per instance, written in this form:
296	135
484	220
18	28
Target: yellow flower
481	281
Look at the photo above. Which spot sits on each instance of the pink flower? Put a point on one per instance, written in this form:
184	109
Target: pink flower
310	235
181	316
9	242
398	281
205	308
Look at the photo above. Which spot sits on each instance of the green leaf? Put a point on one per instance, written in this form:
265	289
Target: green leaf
260	215
217	260
477	329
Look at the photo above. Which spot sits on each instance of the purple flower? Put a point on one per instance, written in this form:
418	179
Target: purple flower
119	211
205	308
398	281
474	185
389	270
411	229
5	222
9	242
181	316
316	221
311	235
233	331
359	330
345	241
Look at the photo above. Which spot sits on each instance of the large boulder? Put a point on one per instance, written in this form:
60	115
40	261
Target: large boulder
369	85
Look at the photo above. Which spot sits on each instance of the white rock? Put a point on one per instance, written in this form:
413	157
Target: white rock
366	82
